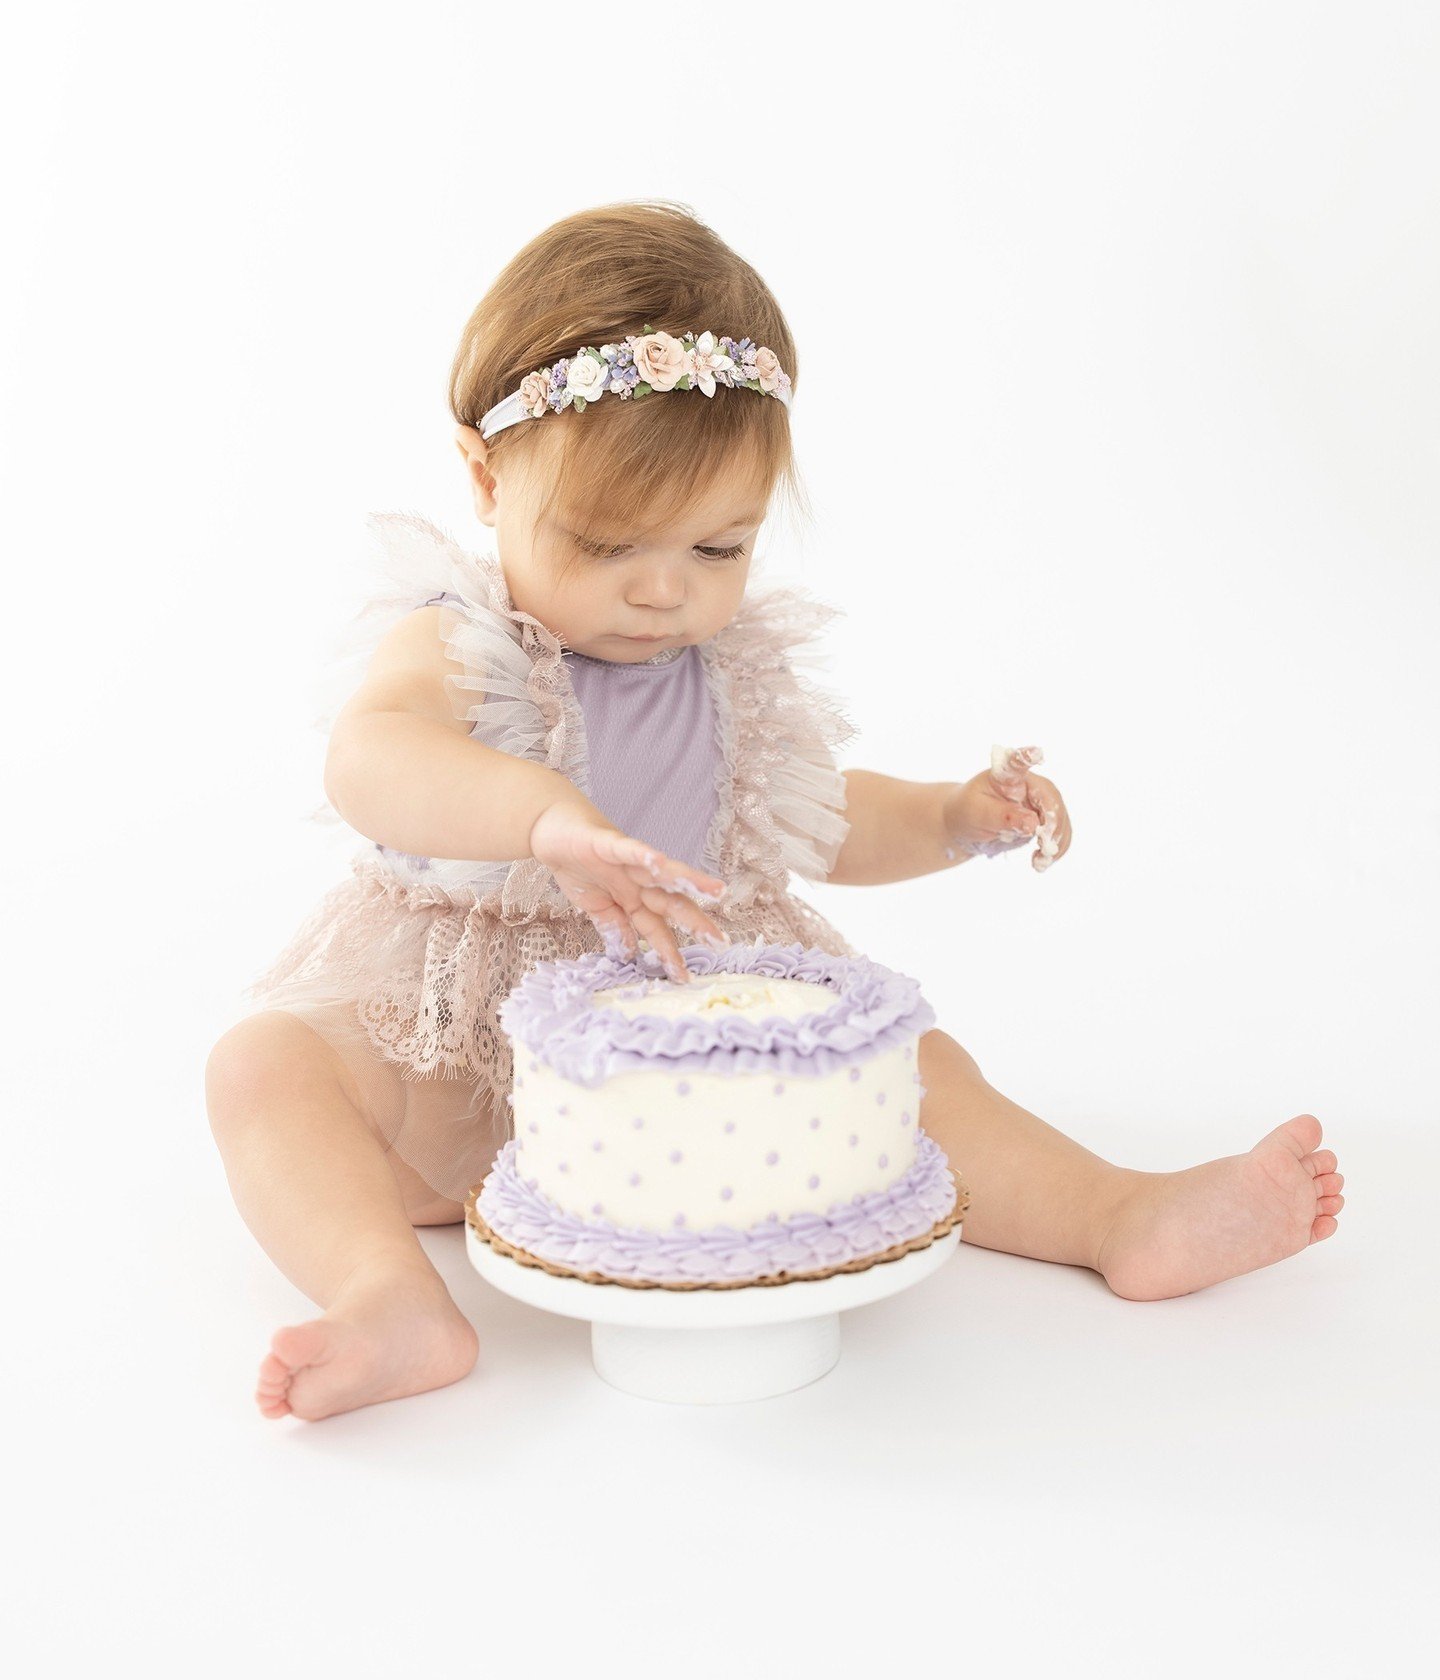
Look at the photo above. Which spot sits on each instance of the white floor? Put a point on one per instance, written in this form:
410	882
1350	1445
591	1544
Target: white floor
1009	1466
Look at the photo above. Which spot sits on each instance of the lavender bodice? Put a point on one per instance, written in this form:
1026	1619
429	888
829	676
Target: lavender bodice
651	746
650	735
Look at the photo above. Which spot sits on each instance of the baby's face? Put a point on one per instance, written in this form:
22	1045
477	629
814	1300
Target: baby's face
678	586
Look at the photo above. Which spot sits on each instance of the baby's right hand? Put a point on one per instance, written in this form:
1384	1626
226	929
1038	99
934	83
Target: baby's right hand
626	887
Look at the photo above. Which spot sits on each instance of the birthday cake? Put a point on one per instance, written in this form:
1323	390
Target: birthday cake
758	1123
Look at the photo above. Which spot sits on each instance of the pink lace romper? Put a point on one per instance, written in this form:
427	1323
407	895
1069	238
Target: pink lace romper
722	756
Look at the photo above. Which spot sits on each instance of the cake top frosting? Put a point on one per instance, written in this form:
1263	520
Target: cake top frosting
756	995
753	1008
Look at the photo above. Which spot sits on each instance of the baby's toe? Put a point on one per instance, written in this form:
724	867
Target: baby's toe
1320	1163
272	1386
1325	1226
1329	1184
1301	1135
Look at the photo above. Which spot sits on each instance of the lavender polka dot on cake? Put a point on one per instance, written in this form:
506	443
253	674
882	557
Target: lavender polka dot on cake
772	1158
884	1160
597	1207
729	1125
597	1144
779	1087
675	1155
637	1122
854	1139
563	1109
726	1193
905	1118
534	1127
534	1067
815	1123
634	1178
880	1097
679	1218
813	1181
564	1166
683	1088
854	1074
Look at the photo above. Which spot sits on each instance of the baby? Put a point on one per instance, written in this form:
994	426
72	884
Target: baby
593	736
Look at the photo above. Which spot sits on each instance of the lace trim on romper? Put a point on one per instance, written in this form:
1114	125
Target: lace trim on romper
412	957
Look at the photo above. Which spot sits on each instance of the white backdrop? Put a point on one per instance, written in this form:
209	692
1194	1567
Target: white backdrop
1151	481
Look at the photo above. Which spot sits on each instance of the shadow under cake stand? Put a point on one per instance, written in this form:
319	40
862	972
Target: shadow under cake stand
710	1344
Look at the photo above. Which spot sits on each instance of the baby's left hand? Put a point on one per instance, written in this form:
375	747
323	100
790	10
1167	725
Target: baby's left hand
1007	806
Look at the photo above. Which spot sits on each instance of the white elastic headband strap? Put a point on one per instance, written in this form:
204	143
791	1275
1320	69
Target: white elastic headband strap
505	413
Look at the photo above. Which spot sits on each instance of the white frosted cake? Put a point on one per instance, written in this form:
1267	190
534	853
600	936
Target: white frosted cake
760	1121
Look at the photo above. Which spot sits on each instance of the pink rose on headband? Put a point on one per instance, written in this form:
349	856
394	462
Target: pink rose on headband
767	370
663	361
535	393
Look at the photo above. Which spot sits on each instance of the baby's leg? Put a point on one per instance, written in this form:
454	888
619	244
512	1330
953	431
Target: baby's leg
306	1162
1036	1192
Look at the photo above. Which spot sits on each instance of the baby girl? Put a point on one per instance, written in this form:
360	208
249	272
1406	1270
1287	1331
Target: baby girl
595	735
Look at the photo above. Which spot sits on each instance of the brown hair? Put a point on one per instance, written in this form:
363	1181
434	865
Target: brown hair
624	469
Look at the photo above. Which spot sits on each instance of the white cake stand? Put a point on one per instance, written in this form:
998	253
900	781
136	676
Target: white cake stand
709	1346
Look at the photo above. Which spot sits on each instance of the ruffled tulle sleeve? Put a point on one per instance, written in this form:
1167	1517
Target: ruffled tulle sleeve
506	678
804	788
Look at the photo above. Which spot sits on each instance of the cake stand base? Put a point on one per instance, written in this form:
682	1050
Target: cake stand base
710	1346
710	1367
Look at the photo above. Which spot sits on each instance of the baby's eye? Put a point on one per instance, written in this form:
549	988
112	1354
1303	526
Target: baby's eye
601	552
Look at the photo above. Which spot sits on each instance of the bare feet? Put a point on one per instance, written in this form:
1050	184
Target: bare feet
391	1331
1178	1232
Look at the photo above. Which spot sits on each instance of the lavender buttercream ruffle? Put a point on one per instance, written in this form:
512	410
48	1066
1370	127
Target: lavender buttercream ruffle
523	1215
875	1009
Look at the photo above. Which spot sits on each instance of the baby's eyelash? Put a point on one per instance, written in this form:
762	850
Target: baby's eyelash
709	553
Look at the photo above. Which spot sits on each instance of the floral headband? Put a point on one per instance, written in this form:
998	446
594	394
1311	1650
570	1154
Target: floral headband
644	362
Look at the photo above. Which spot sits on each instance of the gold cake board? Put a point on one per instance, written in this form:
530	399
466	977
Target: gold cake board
942	1227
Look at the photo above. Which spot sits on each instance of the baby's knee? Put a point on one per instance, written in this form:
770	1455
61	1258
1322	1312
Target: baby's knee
938	1050
261	1057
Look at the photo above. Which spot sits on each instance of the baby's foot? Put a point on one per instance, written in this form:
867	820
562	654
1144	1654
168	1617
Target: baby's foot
390	1332
1178	1232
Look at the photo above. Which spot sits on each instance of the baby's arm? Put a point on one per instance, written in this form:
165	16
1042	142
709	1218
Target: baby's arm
403	770
902	829
896	830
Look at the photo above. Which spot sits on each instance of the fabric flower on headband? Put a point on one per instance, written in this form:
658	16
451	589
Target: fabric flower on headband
644	362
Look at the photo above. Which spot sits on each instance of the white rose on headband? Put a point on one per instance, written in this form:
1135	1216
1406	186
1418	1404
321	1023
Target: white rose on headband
663	361
767	369
709	360
535	393
585	377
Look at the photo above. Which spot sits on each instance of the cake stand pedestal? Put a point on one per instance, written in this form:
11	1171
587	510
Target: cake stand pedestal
710	1346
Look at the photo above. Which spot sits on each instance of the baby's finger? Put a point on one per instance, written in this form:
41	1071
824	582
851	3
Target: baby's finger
657	930
1009	767
1047	849
621	940
677	908
680	877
